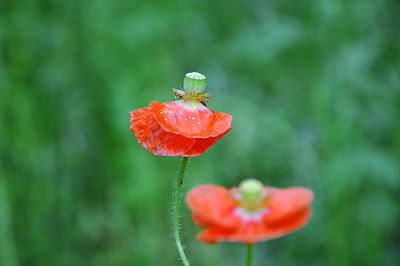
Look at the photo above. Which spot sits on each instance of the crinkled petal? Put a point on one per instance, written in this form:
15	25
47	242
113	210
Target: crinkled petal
285	202
192	120
213	205
154	138
256	231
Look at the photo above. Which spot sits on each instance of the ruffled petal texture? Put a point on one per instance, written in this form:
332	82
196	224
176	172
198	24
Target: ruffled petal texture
192	120
155	139
178	128
224	220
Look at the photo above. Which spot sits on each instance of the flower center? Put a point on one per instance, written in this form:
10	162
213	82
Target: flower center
247	215
251	195
194	86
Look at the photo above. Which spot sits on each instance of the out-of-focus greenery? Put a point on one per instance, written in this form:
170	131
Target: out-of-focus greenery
313	87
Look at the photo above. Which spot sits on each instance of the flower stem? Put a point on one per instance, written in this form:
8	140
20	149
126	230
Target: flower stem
249	259
177	208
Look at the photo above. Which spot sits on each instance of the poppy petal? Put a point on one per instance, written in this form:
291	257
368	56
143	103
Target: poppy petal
201	221
201	145
253	231
285	202
213	204
154	138
192	120
215	234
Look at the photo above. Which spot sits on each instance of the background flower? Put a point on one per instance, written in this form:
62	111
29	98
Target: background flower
226	214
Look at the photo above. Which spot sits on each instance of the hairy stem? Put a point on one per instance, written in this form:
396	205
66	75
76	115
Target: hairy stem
177	208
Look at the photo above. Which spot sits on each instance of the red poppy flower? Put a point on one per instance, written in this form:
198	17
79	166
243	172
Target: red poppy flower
184	127
248	214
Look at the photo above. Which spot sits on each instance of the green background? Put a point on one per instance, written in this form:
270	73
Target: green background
313	88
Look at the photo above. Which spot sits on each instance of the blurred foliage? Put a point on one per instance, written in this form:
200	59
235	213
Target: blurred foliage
313	86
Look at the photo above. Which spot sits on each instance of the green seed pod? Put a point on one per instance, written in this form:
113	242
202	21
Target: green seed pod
194	82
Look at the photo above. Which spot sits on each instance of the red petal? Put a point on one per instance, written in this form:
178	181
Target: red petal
201	145
197	219
214	235
213	204
253	231
190	119
154	138
286	202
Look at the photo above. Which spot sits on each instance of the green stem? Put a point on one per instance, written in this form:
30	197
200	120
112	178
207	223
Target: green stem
177	208
249	259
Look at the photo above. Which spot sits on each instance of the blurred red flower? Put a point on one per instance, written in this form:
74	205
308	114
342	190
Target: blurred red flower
186	128
231	215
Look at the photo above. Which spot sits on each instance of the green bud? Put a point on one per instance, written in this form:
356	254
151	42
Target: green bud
251	190
194	82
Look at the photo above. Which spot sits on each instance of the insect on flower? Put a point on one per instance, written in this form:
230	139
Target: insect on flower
182	127
249	213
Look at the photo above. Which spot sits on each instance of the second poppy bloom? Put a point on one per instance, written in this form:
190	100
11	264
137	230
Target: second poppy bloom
184	127
249	213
